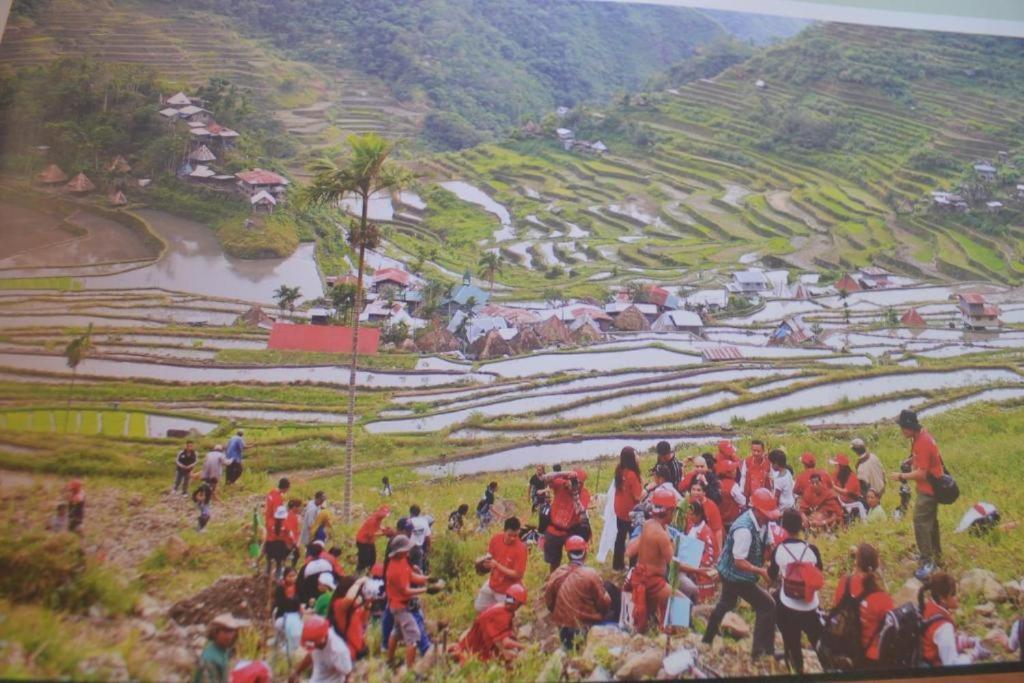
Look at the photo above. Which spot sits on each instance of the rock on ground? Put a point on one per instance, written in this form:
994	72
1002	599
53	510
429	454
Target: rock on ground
908	592
641	665
246	597
734	625
984	583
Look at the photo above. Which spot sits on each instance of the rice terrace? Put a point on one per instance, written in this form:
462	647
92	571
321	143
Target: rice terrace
417	256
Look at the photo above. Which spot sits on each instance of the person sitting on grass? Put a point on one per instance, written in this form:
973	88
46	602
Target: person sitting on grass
215	661
876	513
820	506
493	633
940	645
847	487
864	585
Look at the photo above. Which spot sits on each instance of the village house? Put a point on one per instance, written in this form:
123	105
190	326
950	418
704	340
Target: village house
847	284
321	316
261	201
615	309
381	310
52	175
948	201
873	277
481	325
791	332
1020	192
712	300
985	171
993	206
751	281
912	319
566	137
258	179
466	294
678	321
977	314
562	112
386	277
723	352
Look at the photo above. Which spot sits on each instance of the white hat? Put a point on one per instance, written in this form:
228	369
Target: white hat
228	621
327	579
281	512
973	514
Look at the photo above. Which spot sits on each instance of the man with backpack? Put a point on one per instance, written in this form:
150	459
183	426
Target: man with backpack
926	465
741	565
798	563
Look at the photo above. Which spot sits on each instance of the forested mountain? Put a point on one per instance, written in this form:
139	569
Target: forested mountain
484	64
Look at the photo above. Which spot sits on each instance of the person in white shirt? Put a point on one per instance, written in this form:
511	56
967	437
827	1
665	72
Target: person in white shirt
796	615
328	654
309	517
782	480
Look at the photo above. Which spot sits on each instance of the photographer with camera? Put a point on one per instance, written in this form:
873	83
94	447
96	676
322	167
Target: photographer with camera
925	466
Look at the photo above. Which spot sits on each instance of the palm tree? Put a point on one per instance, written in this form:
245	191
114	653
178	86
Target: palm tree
75	352
287	297
365	173
490	263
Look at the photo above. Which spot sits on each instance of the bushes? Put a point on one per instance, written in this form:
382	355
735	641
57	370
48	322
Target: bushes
53	569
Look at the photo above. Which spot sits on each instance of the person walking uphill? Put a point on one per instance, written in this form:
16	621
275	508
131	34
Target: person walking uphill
628	493
183	465
741	565
925	461
233	457
366	539
507	562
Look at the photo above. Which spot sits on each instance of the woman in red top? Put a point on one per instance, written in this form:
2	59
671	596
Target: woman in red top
713	516
292	524
940	645
875	602
846	485
628	492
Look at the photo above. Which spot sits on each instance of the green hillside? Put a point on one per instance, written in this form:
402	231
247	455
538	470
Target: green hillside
829	164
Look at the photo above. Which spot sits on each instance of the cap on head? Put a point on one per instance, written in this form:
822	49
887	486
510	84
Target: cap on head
808	459
400	544
726	448
327	579
314	632
516	594
226	620
908	420
377	570
575	544
281	512
664	499
858	443
764	502
842	459
75	485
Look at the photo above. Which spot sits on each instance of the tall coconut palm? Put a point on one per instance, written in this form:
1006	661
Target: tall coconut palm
489	265
74	353
366	172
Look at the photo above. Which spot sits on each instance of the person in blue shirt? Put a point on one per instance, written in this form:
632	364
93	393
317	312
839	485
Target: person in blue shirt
233	456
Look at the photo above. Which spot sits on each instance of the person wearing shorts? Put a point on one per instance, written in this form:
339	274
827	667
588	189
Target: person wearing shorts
402	584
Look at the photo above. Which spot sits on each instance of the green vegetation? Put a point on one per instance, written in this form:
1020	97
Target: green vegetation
62	284
271	357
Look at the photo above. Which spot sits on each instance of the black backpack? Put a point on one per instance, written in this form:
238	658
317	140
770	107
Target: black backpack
899	638
945	487
839	648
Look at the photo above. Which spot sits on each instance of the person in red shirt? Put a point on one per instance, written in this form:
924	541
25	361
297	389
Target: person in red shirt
698	527
493	631
940	645
276	547
925	461
292	527
733	500
803	480
847	486
507	562
865	586
711	513
366	537
569	502
755	470
402	584
726	453
628	493
275	499
820	506
349	612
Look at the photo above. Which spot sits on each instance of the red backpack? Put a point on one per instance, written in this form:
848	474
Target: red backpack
801	579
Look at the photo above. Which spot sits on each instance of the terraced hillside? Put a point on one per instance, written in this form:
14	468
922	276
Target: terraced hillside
320	107
825	168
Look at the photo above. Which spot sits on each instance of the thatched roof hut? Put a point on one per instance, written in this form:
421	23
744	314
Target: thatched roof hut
491	345
52	175
553	331
527	340
631	320
913	319
80	184
118	199
119	165
437	339
202	154
255	317
586	334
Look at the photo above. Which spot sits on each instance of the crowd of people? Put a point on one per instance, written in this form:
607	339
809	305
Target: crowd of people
752	520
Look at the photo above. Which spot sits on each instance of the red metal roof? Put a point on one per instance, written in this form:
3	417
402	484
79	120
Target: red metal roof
393	274
716	353
990	310
325	338
972	298
258	176
658	295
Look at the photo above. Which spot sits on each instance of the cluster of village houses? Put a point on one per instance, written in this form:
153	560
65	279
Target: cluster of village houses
208	141
987	173
479	328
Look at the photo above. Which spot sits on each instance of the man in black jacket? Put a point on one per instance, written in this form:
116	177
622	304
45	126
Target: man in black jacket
183	465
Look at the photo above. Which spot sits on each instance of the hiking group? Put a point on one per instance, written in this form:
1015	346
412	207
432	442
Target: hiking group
747	525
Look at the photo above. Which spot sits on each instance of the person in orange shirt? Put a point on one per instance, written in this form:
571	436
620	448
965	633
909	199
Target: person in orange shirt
925	461
507	562
275	547
940	645
820	506
733	500
274	500
712	515
629	491
402	584
865	586
754	471
493	633
366	539
292	527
